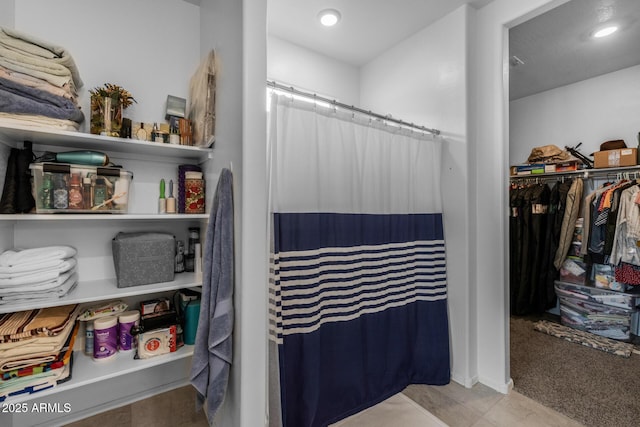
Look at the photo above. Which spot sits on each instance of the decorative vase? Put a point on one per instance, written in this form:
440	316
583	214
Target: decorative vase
106	116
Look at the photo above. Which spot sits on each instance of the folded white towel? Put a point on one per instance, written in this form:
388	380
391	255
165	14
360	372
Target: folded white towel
35	256
52	293
38	276
26	269
37	287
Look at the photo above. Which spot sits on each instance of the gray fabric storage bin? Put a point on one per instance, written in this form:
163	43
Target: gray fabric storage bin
143	258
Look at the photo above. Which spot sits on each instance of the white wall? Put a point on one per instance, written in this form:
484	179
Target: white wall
304	69
7	13
423	80
254	218
489	154
237	32
221	30
591	111
149	47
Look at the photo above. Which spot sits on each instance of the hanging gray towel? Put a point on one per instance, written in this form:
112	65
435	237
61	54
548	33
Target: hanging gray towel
212	353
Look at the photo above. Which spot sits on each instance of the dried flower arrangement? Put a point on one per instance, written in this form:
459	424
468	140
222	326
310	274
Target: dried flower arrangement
107	104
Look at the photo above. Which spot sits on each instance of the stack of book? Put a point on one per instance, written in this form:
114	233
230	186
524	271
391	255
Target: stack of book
541	168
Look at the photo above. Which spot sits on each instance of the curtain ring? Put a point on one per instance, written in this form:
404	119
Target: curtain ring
291	90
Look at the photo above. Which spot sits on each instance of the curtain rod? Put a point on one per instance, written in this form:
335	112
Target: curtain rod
335	103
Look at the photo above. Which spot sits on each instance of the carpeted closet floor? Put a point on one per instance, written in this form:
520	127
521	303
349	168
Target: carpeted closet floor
593	387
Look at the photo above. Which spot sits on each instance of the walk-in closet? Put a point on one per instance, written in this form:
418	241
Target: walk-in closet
572	282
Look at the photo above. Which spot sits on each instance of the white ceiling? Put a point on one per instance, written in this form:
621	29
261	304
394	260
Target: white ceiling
557	49
554	46
367	28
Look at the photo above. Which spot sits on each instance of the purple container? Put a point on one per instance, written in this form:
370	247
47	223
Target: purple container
126	321
105	338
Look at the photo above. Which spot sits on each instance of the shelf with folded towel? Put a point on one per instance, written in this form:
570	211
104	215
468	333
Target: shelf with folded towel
87	371
101	290
15	135
102	217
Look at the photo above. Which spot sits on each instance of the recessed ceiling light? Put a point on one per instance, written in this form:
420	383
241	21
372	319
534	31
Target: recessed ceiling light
329	17
604	32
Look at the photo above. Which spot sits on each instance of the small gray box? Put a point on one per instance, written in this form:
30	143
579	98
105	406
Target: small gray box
176	107
143	258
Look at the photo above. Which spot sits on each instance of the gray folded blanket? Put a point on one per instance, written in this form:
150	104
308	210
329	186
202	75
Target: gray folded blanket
21	99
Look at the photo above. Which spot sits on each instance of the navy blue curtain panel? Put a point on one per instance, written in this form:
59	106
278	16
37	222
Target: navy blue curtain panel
361	310
358	284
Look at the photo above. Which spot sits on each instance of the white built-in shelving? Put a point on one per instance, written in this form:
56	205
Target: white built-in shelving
92	383
87	371
16	135
102	290
102	217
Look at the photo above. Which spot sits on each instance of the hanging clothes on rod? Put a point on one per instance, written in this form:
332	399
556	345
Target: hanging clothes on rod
612	216
542	220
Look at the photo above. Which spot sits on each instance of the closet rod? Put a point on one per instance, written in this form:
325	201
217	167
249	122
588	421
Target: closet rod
335	103
604	173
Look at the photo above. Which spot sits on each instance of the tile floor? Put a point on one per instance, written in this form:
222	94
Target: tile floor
454	404
481	406
174	408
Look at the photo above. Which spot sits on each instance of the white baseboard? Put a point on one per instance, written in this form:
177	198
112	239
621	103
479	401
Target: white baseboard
499	387
463	380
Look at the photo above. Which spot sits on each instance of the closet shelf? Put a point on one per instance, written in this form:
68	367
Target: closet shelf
102	217
86	371
101	290
583	173
14	136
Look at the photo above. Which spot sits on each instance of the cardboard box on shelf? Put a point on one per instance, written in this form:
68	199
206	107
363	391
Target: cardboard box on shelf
569	166
616	158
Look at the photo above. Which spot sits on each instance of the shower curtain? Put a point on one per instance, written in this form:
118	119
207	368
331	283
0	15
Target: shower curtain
358	306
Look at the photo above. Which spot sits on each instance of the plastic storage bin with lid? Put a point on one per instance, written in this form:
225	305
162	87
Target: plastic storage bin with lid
626	300
599	319
68	188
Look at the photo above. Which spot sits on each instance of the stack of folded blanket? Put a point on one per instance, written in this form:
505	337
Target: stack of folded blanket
37	274
36	349
38	83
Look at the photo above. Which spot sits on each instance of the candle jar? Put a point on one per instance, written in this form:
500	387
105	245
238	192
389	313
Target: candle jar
75	192
194	192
